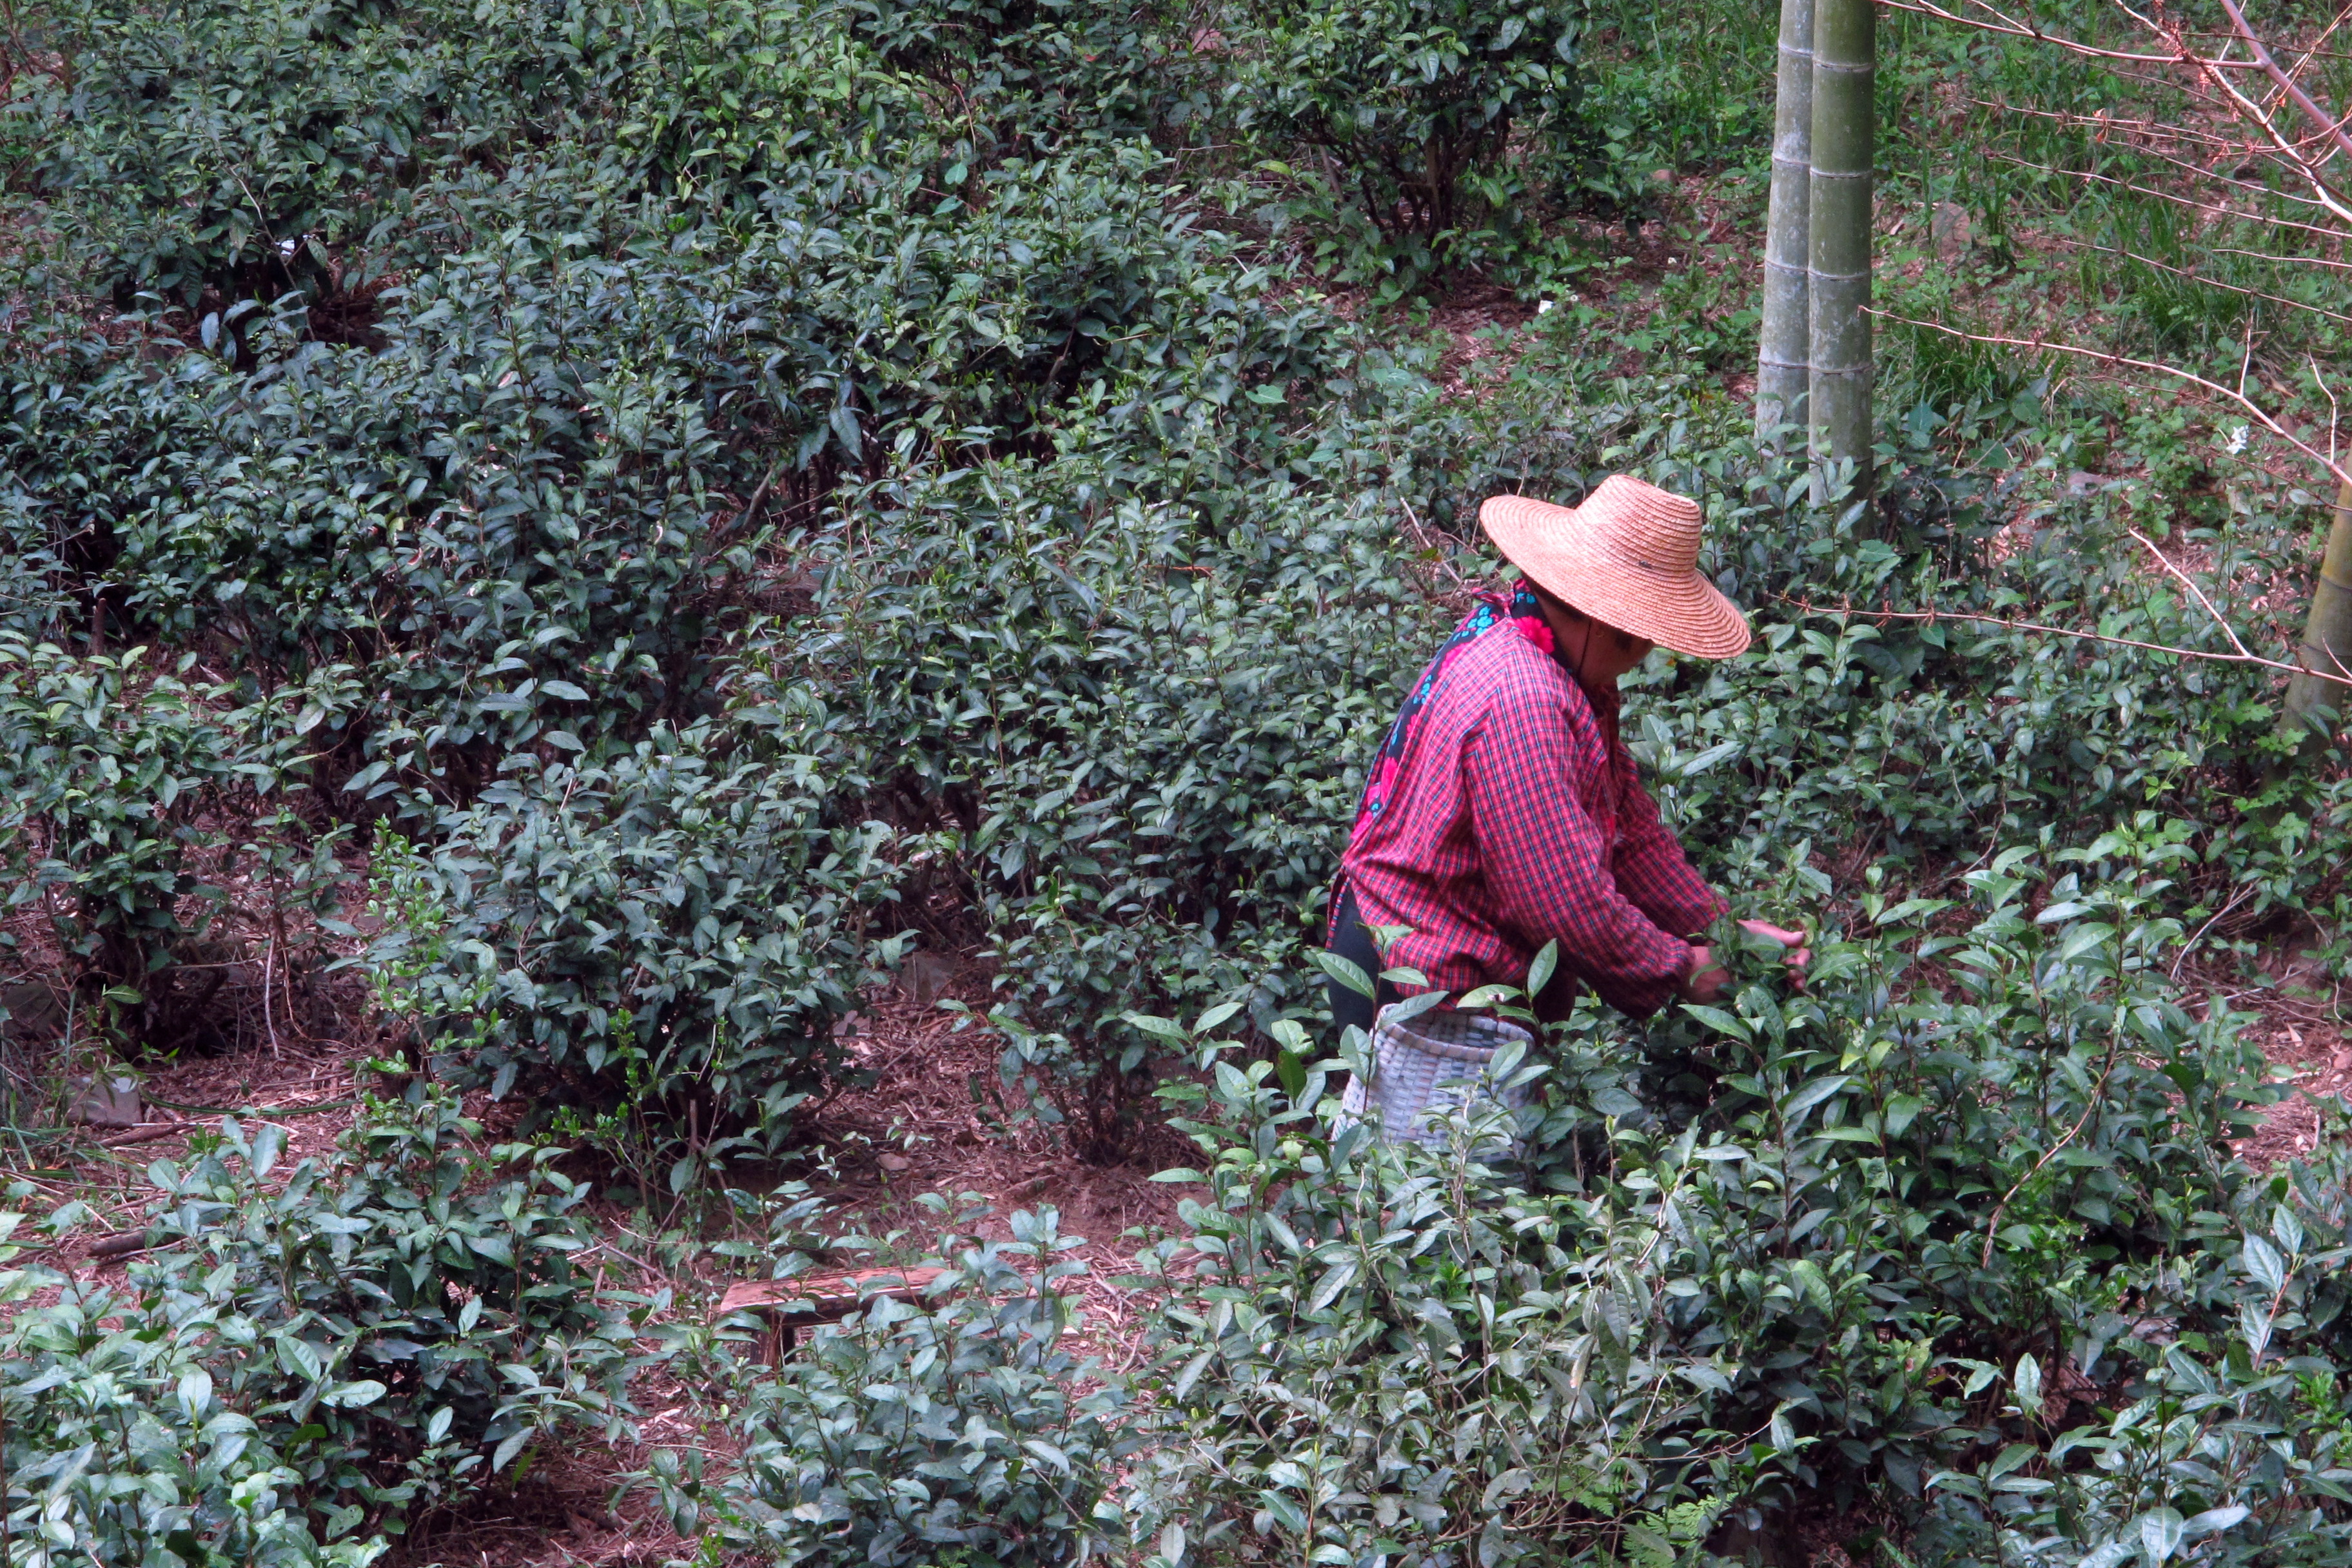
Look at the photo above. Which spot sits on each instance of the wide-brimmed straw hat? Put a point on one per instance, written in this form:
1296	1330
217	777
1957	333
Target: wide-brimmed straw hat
1627	557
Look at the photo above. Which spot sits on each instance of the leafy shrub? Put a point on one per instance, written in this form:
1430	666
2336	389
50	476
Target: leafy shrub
1408	107
949	1431
816	461
1968	1177
332	509
1389	1352
301	1359
510	536
1046	68
2220	1433
1903	741
122	1444
2265	1445
239	151
525	514
1908	739
120	787
110	791
1744	1256
673	925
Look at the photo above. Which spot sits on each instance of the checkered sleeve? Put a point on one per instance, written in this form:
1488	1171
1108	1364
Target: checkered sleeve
1545	862
1652	870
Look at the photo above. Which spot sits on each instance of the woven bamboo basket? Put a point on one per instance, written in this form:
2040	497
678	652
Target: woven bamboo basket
1428	1067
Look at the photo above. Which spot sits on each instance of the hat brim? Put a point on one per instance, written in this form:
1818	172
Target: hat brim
1678	610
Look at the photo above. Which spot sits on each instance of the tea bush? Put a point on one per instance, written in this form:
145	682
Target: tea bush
1906	738
674	925
280	515
124	1447
948	1430
735	483
107	791
2222	1439
511	530
241	151
889	310
525	511
299	1363
1403	112
1745	1260
1054	68
121	782
1397	1356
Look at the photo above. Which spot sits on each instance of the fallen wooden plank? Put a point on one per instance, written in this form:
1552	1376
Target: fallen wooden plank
826	1296
818	1299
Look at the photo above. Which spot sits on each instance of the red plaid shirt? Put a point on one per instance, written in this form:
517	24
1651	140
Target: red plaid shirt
1514	818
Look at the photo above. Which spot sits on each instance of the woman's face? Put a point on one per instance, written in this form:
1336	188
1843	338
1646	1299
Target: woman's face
1597	652
1608	653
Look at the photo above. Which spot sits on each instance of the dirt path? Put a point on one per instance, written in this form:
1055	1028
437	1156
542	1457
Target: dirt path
2302	1034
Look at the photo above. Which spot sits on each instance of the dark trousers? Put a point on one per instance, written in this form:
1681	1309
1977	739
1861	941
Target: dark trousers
1351	942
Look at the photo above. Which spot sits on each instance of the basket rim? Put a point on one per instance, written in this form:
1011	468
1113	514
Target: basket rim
1402	1032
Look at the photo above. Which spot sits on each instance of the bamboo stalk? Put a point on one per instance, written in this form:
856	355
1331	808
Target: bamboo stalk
2314	704
1783	349
1838	239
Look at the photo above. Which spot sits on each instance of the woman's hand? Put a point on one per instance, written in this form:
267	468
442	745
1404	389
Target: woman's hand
1706	979
1798	956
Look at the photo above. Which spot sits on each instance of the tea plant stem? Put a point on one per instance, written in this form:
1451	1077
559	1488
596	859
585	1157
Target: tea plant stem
15	51
149	1134
255	1111
1992	1230
651	1272
2191	584
269	1020
2190	945
1425	540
